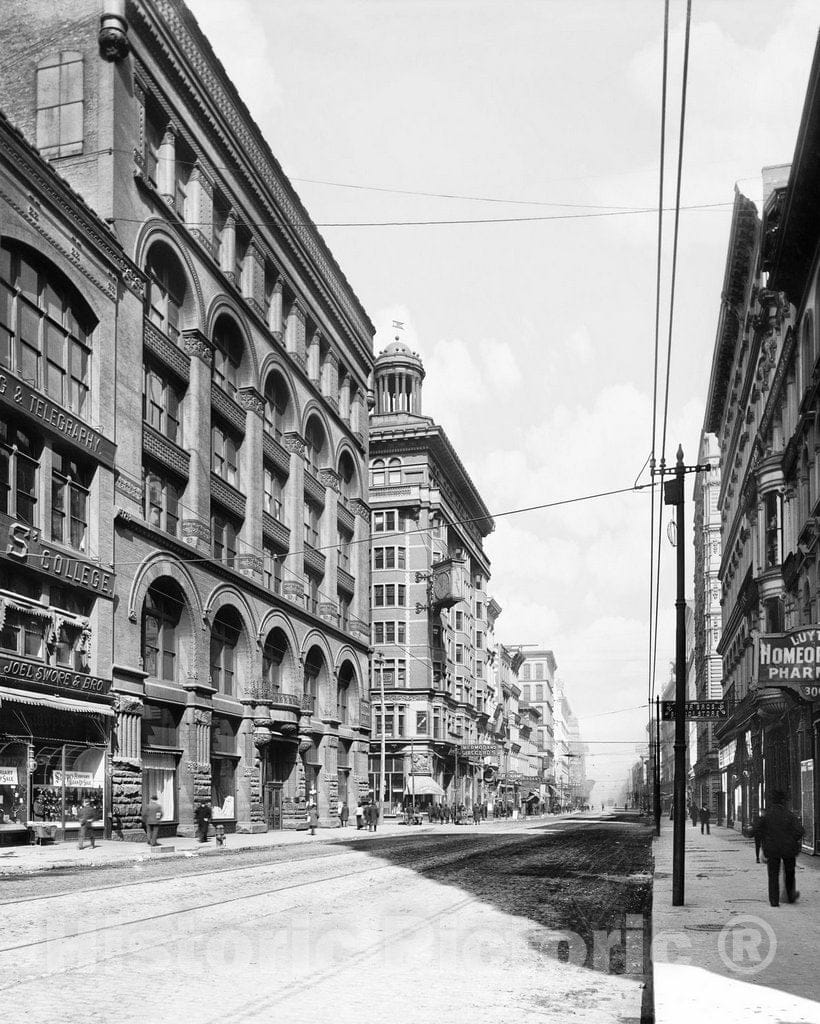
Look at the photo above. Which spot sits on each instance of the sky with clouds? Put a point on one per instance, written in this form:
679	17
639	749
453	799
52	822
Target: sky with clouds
537	335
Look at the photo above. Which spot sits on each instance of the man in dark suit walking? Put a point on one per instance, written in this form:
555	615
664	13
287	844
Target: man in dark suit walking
781	834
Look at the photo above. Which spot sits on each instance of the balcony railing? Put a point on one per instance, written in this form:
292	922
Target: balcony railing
308	703
161	346
275	453
230	411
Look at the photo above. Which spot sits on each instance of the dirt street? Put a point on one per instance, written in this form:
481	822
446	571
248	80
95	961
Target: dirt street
535	922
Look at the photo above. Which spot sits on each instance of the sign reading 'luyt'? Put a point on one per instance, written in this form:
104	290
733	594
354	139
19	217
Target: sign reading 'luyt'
694	709
789	657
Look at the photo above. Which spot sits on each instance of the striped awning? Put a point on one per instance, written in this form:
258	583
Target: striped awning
49	700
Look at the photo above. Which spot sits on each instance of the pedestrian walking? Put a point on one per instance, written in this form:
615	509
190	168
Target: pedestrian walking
86	816
758	838
344	814
705	818
693	814
151	817
476	814
202	817
373	819
313	818
359	816
781	834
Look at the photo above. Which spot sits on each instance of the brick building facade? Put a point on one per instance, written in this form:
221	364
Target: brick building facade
236	514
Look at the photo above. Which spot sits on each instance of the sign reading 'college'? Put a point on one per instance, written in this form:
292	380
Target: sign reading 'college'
21	543
789	657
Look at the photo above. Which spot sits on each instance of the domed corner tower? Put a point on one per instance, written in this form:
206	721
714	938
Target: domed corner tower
397	375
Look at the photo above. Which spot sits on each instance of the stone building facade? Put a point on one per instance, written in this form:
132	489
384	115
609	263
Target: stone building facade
705	782
237	509
429	597
65	285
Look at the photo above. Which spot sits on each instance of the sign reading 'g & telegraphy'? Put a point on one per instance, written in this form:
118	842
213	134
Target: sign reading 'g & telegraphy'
790	657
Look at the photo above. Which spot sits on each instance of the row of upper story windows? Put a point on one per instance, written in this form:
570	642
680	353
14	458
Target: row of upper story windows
56	502
46	329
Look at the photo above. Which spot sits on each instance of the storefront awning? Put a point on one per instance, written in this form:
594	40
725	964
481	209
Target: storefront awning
58	703
423	785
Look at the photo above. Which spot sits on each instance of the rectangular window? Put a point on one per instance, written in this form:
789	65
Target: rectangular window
272	562
223	536
162	494
274	493
460	621
312	519
19	462
389	595
385	522
773	511
225	455
345	540
459	654
161	405
422	723
60	104
69	501
312	593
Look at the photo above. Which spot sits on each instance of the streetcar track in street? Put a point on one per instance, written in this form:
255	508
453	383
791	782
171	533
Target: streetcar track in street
401	843
460	857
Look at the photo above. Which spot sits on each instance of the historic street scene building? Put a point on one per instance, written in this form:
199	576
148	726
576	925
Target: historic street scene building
762	407
429	599
185	438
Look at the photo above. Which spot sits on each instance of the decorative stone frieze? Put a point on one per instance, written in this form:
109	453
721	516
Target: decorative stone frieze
330	478
129	486
360	508
196	529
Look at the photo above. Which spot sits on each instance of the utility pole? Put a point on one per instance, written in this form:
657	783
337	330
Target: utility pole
673	495
657	786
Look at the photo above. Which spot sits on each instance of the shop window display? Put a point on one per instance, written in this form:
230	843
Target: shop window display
223	768
159	773
64	776
13	786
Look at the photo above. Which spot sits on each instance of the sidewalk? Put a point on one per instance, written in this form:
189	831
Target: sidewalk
17	860
726	954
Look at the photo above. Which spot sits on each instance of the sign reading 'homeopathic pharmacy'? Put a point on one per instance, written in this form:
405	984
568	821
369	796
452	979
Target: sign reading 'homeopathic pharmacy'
790	657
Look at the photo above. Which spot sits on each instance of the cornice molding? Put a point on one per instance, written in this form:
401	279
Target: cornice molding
247	150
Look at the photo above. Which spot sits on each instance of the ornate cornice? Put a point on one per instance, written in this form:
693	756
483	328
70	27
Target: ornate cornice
199	74
43	181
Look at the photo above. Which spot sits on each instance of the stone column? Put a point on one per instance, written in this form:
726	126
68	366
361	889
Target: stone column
227	250
166	165
360	561
314	369
253	277
195	768
275	311
328	540
126	789
200	206
196	516
294	500
327	796
344	398
295	333
250	561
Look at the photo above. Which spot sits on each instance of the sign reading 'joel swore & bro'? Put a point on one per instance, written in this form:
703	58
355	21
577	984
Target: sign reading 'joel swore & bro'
792	659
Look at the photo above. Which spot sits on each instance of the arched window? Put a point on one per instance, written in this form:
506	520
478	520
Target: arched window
45	329
394	472
160	626
225	634
377	473
227	355
166	289
277	400
273	657
314	668
347	477
346	678
315	440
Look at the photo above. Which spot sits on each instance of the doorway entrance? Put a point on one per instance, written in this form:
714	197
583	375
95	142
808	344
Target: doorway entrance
273	806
